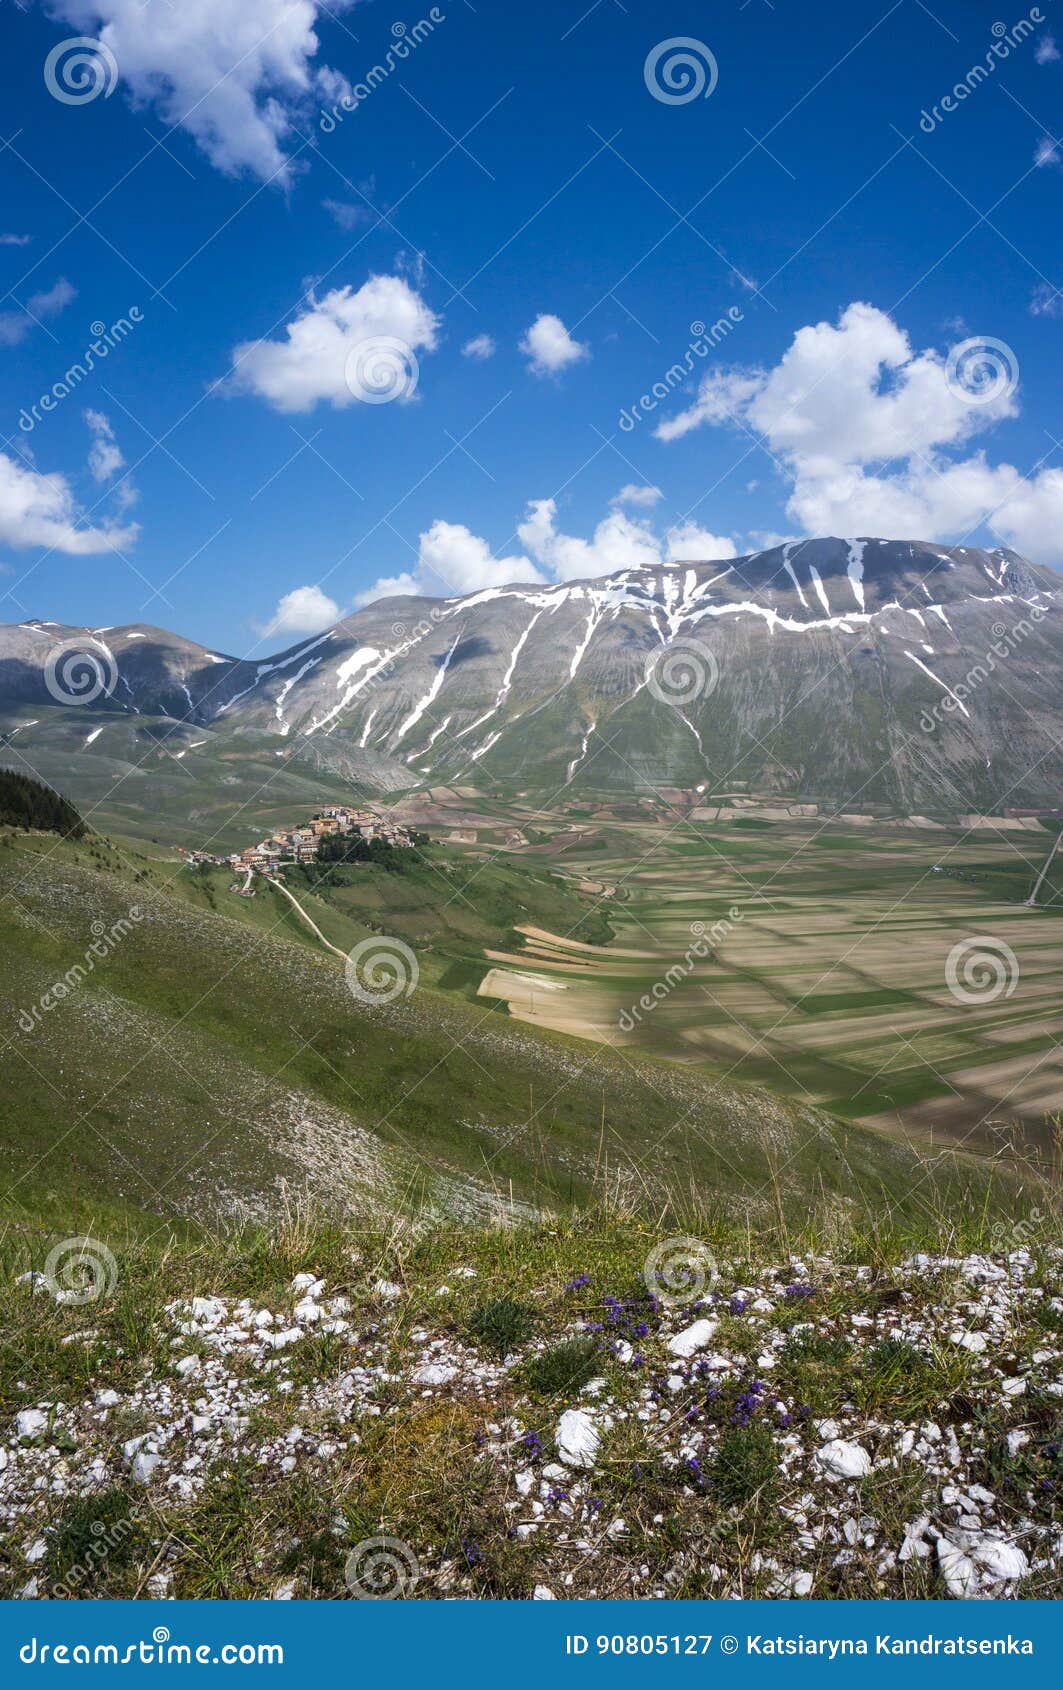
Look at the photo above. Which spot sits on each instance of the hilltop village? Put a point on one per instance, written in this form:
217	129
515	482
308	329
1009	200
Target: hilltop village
301	844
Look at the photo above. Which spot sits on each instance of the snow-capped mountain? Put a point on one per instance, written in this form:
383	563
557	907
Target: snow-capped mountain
860	672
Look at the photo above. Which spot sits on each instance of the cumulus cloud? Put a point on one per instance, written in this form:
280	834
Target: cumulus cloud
550	348
389	587
15	240
305	610
481	346
452	559
638	493
1046	152
105	455
318	356
689	542
238	75
869	433
40	510
618	542
16	325
1046	50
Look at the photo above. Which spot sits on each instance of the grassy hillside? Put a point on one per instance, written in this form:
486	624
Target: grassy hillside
210	1065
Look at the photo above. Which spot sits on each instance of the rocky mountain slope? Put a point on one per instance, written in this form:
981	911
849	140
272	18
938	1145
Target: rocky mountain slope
856	672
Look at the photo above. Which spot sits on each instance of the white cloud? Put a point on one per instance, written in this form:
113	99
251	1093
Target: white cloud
305	610
638	493
1046	152
310	362
1046	301
867	432
454	560
481	346
348	215
1046	50
549	346
388	587
105	456
691	543
15	240
236	74
618	542
40	510
16	325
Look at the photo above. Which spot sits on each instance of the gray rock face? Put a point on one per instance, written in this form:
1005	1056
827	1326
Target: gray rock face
855	672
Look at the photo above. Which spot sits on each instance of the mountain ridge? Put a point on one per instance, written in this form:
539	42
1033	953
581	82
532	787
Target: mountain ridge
852	671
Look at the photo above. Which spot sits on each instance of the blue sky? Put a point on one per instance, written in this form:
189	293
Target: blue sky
514	177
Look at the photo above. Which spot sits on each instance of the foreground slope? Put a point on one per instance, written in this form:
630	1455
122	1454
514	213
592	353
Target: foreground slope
201	1066
550	1411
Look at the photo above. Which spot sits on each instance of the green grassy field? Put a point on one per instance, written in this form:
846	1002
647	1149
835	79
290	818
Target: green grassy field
214	1060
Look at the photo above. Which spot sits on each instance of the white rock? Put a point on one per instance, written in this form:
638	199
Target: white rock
577	1438
388	1288
973	1565
434	1373
973	1341
541	1594
843	1460
693	1338
187	1366
304	1281
31	1422
144	1466
1014	1387
37	1551
107	1399
307	1313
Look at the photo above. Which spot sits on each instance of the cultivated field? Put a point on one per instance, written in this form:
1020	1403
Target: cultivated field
815	958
